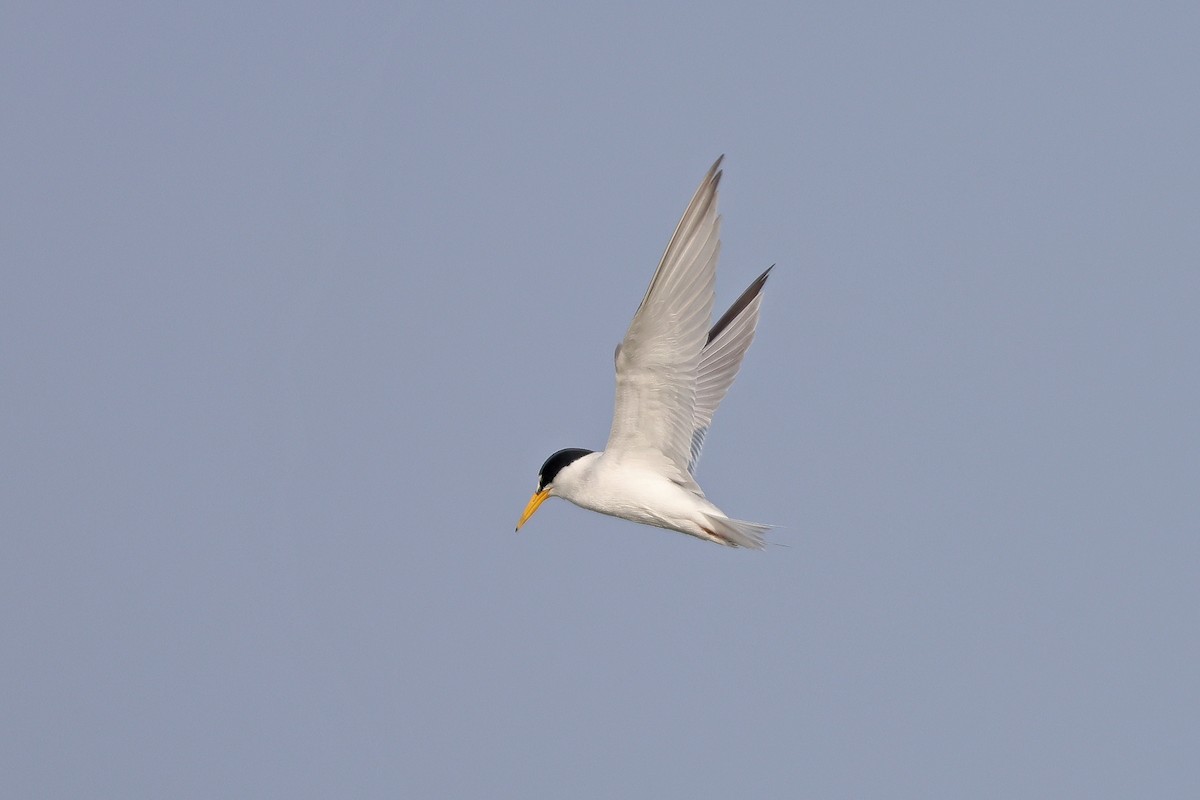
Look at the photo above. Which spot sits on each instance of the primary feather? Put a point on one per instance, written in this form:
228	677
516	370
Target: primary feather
728	341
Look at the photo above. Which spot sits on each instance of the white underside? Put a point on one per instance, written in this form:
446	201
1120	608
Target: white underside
636	489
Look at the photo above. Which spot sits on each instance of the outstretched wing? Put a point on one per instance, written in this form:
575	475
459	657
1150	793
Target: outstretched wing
721	359
659	359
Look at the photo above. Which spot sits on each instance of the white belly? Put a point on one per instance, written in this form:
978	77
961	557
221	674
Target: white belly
640	494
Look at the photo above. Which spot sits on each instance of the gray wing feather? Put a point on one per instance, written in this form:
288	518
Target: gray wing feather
657	363
721	359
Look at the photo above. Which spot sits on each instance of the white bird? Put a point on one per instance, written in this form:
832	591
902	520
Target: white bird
672	373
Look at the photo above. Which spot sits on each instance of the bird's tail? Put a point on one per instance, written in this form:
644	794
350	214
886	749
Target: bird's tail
737	532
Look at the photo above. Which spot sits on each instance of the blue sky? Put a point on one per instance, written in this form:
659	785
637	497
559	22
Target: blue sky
298	298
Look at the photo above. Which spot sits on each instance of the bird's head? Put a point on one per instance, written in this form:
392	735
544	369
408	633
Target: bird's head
546	475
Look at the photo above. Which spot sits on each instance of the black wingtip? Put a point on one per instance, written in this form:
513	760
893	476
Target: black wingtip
714	172
740	304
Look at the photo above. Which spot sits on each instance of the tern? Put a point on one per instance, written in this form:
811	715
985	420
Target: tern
673	370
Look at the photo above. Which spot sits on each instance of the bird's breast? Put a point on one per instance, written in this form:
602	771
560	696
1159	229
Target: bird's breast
633	492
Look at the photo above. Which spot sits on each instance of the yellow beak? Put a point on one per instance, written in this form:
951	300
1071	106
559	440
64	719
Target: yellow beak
535	501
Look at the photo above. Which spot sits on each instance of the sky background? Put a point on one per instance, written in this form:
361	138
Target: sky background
298	297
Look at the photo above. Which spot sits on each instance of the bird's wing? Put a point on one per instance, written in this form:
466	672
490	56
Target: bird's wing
721	359
658	360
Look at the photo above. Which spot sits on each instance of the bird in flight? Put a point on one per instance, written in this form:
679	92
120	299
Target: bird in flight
673	370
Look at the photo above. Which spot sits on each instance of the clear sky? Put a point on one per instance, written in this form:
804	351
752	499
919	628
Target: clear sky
298	297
